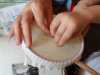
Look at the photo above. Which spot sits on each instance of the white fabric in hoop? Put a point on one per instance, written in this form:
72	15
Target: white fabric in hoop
46	54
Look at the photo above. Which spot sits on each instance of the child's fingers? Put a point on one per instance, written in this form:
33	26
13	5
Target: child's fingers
60	31
17	30
66	36
27	31
54	25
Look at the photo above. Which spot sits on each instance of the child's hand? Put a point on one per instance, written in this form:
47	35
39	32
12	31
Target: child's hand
39	12
65	26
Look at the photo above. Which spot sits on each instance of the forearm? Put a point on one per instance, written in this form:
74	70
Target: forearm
95	11
92	13
89	9
87	3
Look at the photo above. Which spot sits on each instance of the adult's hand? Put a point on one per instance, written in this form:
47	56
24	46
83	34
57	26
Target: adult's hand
37	11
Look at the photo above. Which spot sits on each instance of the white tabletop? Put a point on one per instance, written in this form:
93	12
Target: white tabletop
9	54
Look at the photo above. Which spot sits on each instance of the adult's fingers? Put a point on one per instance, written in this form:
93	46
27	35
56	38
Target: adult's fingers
54	25
49	12
26	25
17	30
49	18
39	16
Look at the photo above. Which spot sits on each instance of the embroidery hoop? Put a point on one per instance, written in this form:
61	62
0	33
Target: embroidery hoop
41	61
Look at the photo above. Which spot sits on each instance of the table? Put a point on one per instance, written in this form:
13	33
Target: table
9	52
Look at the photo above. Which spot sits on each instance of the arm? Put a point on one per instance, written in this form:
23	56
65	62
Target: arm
68	25
90	9
87	3
95	10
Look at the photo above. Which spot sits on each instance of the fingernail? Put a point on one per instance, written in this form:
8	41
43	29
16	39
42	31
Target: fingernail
56	39
60	44
29	45
17	43
51	35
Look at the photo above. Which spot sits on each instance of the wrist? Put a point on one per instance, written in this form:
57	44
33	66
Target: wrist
84	13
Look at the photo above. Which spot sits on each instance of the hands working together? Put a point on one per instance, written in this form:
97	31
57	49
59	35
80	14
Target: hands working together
36	12
62	27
